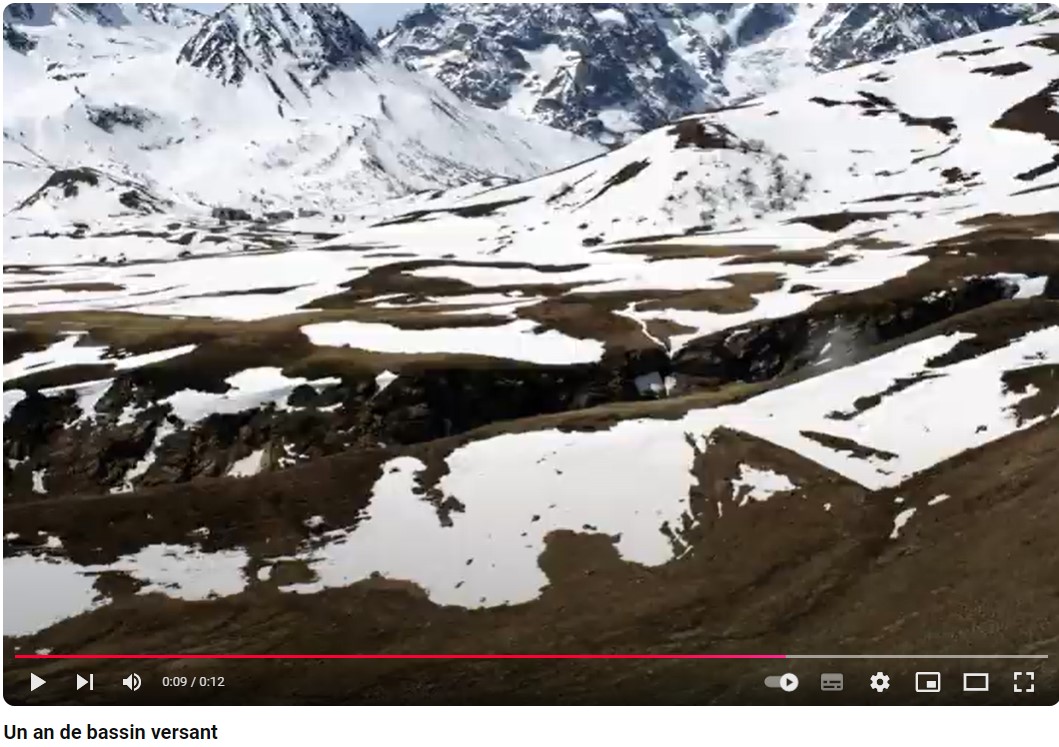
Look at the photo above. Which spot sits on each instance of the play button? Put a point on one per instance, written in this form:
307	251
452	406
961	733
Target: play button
35	682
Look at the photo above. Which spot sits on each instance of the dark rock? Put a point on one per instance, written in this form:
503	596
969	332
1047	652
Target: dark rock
230	213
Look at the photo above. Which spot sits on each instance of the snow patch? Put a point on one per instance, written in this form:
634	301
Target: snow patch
900	520
758	484
249	465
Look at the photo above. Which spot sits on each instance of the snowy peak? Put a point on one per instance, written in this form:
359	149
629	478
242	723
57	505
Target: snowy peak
103	14
851	33
300	42
42	14
610	71
168	14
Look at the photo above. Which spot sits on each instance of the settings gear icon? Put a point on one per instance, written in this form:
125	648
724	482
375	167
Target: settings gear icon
880	682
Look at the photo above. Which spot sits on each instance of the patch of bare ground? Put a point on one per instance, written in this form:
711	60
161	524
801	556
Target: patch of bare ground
665	330
18	342
1003	71
30	270
838	443
1047	41
909	196
659	252
1034	115
863	404
956	175
67	287
804	258
737	296
583	319
832	222
693	133
624	174
397	279
962	53
1045	168
967	575
1039	188
874	105
1042	385
588	315
1001	225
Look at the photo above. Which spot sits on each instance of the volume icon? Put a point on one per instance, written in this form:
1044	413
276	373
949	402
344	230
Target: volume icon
132	682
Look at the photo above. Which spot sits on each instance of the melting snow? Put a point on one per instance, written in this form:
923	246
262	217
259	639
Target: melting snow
384	380
900	520
164	430
177	571
249	465
758	484
251	388
11	398
519	340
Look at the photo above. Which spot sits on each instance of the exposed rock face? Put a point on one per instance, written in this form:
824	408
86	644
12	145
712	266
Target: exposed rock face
303	41
610	70
130	440
17	40
767	349
169	14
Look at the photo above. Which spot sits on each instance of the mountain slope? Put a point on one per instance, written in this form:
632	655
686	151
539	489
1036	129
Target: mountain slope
608	71
264	105
771	374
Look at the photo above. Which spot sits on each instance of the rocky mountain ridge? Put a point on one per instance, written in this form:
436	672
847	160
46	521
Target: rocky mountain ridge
610	71
297	43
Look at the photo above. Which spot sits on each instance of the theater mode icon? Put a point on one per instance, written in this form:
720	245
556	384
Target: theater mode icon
976	682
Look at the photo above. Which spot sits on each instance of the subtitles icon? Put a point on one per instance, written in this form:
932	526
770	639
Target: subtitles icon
832	682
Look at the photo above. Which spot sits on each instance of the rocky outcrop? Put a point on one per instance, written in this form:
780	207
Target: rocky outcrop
17	40
131	438
770	348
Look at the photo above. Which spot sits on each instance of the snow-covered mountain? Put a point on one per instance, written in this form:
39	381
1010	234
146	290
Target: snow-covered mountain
104	14
289	44
256	106
608	70
817	331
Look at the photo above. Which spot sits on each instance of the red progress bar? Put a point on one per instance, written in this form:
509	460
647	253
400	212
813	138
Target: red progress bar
400	656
